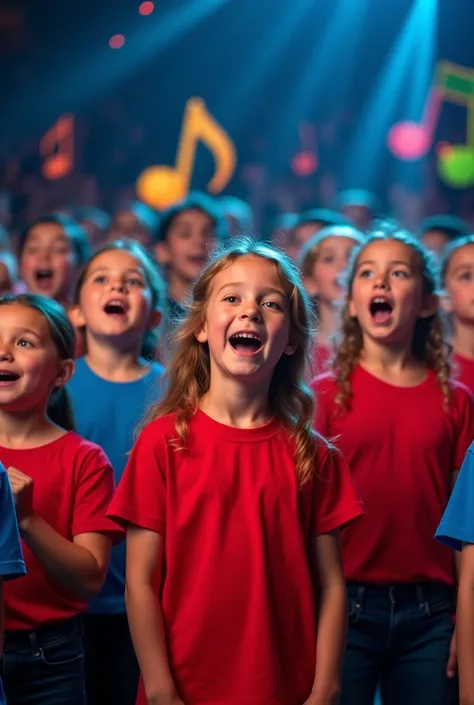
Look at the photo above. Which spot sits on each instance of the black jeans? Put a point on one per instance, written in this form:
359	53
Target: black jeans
112	671
398	638
45	666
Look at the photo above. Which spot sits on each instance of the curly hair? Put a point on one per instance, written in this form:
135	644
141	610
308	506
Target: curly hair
429	345
188	373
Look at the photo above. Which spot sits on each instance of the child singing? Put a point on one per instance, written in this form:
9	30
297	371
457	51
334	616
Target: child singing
233	504
404	427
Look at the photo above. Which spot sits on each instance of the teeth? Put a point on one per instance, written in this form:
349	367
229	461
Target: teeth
247	335
379	300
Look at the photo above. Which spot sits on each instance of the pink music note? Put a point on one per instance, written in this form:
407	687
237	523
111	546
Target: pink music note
410	140
305	162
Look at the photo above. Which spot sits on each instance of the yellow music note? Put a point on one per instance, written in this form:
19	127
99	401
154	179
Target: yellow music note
163	186
57	149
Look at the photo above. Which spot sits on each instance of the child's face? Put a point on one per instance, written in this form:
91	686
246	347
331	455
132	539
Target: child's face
459	282
115	299
332	260
29	365
387	292
435	241
247	298
126	225
191	238
48	262
300	237
359	214
6	284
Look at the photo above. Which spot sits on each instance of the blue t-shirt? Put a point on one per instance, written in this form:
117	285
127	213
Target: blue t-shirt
12	564
457	524
108	413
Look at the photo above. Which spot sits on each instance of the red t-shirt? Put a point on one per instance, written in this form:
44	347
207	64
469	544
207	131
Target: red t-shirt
401	446
322	355
237	598
465	370
73	487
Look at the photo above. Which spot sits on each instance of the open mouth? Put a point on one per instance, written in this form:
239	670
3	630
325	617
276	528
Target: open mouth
115	308
381	310
249	343
44	277
7	376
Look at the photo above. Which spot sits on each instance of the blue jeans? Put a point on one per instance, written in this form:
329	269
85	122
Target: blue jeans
398	638
46	666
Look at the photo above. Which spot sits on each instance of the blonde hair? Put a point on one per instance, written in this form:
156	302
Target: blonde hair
188	373
312	249
429	345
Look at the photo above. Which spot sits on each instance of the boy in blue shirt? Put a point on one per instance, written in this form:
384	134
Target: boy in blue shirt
456	530
12	564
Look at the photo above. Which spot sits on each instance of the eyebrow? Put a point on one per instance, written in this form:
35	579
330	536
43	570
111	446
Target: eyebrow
464	265
394	261
268	290
129	270
19	331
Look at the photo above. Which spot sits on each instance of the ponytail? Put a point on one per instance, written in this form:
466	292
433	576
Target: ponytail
60	409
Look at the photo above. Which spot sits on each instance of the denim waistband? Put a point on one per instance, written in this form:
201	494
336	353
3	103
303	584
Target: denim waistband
17	638
399	593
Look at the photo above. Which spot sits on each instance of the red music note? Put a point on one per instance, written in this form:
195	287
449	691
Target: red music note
57	149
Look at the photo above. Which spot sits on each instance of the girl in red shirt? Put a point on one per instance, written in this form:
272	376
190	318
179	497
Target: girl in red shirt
62	486
458	281
403	427
232	504
323	258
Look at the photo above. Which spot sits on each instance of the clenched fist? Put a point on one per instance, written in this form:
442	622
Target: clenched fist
22	488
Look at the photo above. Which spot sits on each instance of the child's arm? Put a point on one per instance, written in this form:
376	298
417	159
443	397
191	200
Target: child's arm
331	619
144	572
81	564
465	626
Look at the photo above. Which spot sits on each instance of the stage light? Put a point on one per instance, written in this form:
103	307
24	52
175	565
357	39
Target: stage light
117	41
146	8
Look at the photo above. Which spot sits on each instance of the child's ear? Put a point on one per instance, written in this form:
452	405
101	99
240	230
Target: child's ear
76	317
155	318
162	253
66	369
201	336
430	306
310	285
446	302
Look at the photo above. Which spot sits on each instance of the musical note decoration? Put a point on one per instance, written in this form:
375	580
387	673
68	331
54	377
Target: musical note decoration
410	140
163	186
57	149
305	162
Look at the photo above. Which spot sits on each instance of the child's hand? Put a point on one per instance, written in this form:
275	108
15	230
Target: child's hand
452	665
328	698
22	489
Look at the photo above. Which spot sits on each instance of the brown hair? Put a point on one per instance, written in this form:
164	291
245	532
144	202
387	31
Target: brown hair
189	369
450	251
429	345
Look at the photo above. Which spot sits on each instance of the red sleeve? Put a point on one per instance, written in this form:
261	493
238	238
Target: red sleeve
141	495
464	425
323	394
335	498
94	492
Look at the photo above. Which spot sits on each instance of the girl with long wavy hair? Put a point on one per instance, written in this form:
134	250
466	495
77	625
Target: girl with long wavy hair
232	504
403	427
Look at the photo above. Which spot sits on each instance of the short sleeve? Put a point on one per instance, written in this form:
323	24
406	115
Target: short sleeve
93	493
12	564
465	426
141	495
322	390
457	524
335	499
